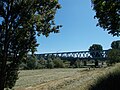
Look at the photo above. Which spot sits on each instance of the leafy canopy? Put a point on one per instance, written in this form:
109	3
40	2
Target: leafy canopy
21	21
115	44
114	53
95	50
113	56
108	15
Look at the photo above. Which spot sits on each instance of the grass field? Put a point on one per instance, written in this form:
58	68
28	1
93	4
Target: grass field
59	79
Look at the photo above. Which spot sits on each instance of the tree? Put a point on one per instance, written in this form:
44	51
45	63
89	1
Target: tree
114	53
113	56
95	50
21	21
115	44
108	15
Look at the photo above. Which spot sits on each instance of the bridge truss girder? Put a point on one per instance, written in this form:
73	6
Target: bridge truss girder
78	54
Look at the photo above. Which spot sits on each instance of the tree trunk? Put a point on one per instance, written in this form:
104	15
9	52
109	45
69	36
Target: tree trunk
3	73
2	80
4	56
3	70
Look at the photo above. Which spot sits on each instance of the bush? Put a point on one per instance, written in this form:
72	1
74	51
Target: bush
50	63
31	63
66	63
40	66
77	64
58	63
23	66
41	63
110	81
113	56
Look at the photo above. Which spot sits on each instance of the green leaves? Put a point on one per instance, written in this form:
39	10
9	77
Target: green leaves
114	53
95	50
22	21
113	56
95	47
115	44
108	15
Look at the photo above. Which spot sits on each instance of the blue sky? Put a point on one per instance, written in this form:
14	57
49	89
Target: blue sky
79	29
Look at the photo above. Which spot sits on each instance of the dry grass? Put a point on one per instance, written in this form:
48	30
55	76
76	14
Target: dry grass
58	79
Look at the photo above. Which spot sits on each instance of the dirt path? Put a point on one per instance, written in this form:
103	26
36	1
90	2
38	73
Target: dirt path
64	80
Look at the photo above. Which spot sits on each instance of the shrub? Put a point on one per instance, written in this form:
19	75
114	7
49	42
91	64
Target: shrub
66	64
58	63
41	63
31	63
77	64
23	66
50	63
113	56
40	66
110	81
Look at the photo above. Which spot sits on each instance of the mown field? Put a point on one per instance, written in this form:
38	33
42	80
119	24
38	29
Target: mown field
59	79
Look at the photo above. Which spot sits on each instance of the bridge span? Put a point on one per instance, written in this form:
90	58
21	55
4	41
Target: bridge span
77	54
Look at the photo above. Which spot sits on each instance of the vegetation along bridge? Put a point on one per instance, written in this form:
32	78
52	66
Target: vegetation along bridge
78	54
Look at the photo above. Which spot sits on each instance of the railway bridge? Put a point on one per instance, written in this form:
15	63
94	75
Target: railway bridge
101	55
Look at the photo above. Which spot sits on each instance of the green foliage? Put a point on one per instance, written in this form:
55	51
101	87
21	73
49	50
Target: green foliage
95	50
109	81
41	63
58	63
113	56
12	75
77	64
66	64
31	63
21	21
115	44
50	63
23	66
108	15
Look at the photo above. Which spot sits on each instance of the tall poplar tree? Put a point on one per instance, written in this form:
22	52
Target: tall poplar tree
21	21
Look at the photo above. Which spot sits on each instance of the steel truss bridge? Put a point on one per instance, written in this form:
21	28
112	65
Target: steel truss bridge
78	54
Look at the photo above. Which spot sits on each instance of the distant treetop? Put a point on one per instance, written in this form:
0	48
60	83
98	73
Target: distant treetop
115	44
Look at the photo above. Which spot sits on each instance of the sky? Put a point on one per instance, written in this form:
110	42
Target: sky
79	29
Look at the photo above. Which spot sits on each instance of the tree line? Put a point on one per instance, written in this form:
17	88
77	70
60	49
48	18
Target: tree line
113	56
